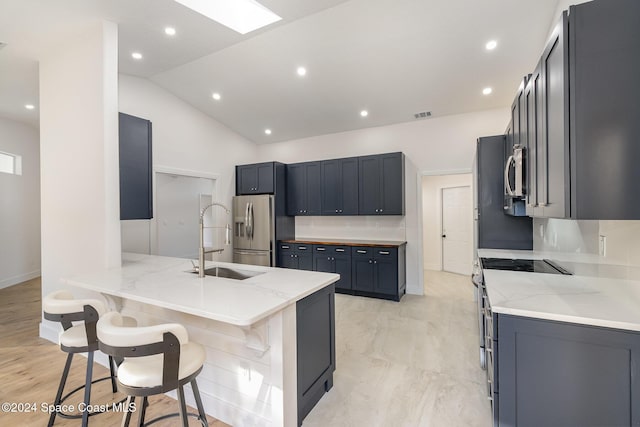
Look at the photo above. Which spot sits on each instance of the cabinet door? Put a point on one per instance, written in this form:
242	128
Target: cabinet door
392	185
362	269
369	183
555	136
386	271
247	179
323	261
136	200
331	188
342	266
305	257
349	186
296	184
312	189
288	259
562	374
533	107
265	176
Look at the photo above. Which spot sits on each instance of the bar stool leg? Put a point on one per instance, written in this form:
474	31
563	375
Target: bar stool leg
63	381
87	390
112	371
183	407
126	419
196	395
142	412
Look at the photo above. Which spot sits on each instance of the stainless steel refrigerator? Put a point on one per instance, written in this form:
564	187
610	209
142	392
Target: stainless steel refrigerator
254	230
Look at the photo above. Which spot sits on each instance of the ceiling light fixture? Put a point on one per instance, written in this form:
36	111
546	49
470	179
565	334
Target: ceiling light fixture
364	113
136	55
487	91
491	44
242	16
216	96
267	131
29	106
170	31
301	71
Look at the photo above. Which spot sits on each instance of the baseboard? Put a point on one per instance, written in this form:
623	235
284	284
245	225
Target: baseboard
10	281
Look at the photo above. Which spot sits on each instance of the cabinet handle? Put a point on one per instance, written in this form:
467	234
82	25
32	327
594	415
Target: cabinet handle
336	210
302	248
339	250
320	249
381	210
333	259
377	210
369	261
361	252
284	247
375	262
383	252
340	210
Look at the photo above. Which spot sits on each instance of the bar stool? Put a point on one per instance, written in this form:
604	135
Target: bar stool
157	359
60	306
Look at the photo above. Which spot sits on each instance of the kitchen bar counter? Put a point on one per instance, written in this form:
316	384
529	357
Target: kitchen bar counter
251	329
597	294
346	242
166	282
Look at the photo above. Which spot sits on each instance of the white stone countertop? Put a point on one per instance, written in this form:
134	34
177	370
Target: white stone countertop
166	282
597	293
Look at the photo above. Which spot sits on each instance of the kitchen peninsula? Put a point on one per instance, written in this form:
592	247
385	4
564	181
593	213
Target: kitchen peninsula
269	339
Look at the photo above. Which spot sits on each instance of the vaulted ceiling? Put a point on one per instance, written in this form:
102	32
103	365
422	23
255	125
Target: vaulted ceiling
393	58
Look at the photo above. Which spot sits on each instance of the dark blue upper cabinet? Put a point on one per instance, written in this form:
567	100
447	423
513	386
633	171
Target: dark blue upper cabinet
303	188
339	189
381	184
256	178
136	201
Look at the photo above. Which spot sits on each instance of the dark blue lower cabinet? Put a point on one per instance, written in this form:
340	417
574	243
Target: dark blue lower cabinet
562	374
316	356
298	257
379	272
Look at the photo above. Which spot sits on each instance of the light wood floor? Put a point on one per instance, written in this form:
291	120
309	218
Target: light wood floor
30	368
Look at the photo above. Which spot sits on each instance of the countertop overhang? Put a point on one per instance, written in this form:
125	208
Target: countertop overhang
597	294
167	282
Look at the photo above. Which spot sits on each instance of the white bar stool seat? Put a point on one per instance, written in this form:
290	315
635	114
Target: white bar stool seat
62	307
157	359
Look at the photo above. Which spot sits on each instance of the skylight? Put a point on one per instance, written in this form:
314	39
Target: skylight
242	16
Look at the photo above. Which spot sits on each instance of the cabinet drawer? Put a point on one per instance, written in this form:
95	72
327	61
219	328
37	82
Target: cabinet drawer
362	251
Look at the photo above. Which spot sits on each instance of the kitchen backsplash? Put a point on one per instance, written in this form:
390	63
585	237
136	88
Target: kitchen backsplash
352	227
622	238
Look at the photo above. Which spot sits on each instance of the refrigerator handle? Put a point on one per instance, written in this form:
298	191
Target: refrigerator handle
246	220
251	219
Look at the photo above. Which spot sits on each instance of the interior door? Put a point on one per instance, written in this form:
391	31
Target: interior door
457	219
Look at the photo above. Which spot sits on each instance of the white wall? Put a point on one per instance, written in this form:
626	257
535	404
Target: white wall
440	144
79	157
432	215
20	206
185	141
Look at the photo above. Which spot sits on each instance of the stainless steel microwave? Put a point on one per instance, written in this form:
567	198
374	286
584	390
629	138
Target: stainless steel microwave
514	175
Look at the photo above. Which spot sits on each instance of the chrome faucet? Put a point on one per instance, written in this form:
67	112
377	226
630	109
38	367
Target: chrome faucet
202	251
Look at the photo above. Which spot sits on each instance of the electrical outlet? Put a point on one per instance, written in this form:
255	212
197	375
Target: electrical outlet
602	246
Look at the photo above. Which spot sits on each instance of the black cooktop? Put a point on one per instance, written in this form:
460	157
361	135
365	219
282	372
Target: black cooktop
529	265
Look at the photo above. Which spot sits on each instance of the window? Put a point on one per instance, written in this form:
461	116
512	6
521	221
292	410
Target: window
10	163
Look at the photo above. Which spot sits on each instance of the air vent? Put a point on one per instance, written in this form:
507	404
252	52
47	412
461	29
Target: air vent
422	115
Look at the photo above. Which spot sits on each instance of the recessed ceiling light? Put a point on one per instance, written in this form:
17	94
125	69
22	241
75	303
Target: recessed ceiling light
491	44
216	96
267	131
301	71
136	55
242	16
487	91
364	113
29	106
170	31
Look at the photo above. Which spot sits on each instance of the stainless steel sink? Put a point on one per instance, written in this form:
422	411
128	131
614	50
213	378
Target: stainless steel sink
229	273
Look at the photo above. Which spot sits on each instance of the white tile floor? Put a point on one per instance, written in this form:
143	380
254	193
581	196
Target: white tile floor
413	363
